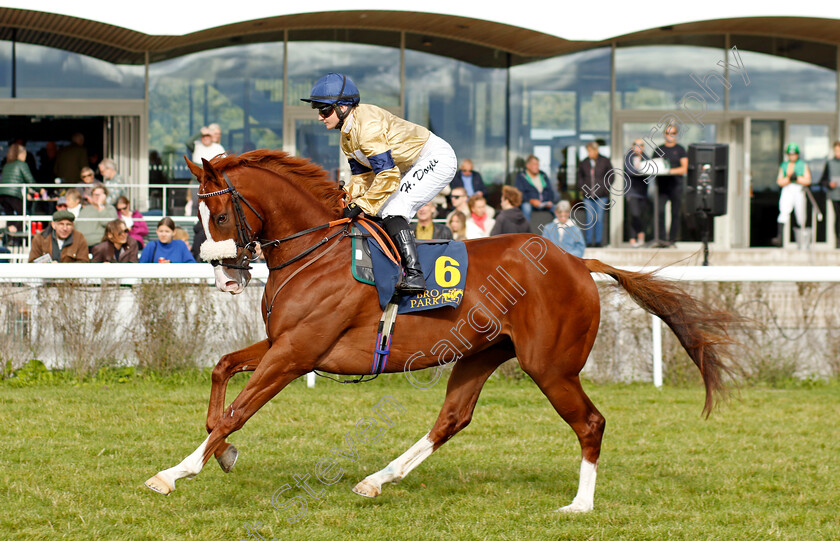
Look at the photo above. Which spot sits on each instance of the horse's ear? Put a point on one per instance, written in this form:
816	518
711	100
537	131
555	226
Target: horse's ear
195	169
211	177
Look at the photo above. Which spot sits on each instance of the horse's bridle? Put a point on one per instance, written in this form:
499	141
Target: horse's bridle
247	238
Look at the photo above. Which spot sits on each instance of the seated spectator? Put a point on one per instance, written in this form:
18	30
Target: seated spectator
468	179
93	217
457	223
460	202
73	199
111	179
510	219
426	229
137	227
116	246
564	232
479	224
165	249
535	187
60	242
181	234
89	180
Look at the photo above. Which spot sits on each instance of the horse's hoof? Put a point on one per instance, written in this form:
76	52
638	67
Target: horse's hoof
367	489
228	458
576	507
159	484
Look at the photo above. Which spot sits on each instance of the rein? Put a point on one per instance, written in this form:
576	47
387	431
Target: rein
244	231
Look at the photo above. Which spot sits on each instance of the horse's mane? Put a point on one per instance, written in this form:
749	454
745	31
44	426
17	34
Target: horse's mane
304	173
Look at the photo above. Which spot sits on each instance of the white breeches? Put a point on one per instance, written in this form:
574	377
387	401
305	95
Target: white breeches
792	198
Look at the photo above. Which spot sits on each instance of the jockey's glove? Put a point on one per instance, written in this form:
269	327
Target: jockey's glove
352	210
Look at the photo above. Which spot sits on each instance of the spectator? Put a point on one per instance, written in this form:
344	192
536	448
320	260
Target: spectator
794	175
535	187
563	231
89	180
164	250
426	229
457	223
206	148
669	185
116	246
60	242
479	224
112	179
46	159
510	219
133	220
181	234
216	134
830	181
93	217
15	171
73	199
61	203
460	201
71	159
593	175
468	179
636	194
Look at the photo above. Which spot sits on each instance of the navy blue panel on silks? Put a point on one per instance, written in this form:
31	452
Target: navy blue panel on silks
444	266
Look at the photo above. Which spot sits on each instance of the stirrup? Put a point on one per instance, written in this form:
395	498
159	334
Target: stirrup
411	284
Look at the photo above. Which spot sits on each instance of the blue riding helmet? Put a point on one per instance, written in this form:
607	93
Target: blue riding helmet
334	89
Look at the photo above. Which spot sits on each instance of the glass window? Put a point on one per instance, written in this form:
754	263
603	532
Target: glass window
240	88
462	103
781	84
660	77
44	72
374	68
556	106
5	69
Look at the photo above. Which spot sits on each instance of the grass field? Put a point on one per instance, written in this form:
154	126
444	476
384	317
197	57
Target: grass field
73	459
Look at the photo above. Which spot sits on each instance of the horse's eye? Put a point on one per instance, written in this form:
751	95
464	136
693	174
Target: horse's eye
222	218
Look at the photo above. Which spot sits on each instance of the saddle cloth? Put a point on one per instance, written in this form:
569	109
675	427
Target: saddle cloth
444	265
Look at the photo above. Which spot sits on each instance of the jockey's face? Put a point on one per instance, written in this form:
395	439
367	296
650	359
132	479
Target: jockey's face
331	121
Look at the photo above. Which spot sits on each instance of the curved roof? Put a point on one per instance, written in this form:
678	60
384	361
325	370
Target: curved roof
474	40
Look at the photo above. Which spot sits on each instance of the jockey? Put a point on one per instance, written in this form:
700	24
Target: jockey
397	166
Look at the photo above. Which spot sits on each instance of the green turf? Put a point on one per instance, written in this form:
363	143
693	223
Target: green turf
73	460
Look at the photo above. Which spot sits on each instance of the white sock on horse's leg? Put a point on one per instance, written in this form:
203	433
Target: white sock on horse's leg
585	499
371	486
164	482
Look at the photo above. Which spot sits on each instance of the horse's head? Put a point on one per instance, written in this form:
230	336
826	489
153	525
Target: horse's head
231	225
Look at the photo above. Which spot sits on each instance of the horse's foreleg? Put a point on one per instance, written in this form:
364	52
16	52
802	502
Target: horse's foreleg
270	377
465	383
243	360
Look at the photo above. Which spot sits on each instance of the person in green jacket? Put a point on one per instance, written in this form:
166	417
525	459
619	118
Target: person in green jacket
16	171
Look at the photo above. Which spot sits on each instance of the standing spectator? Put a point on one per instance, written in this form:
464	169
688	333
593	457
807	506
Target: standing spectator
830	180
71	159
206	148
670	185
468	179
479	224
88	180
460	201
73	200
46	159
794	175
216	134
14	172
166	249
636	195
426	229
116	246
510	219
593	176
93	217
563	231
535	187
133	220
457	223
60	241
112	180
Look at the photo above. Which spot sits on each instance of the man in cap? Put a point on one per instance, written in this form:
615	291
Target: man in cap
60	241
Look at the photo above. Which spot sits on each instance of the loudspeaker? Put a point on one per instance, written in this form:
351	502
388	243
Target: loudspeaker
708	167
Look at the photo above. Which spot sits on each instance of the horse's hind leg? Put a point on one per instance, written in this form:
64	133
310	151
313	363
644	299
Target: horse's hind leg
465	383
243	360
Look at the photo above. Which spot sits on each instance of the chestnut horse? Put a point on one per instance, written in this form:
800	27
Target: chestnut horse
523	298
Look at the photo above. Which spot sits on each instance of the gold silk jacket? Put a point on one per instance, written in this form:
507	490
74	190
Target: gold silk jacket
380	147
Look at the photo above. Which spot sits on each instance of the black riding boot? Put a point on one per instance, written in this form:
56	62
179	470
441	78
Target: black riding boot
778	240
413	282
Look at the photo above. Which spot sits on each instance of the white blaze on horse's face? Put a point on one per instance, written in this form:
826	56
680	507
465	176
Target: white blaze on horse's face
232	281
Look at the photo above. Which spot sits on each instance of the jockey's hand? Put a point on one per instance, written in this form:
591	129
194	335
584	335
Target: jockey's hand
352	210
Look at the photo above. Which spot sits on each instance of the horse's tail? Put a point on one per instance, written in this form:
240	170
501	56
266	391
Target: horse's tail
702	330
